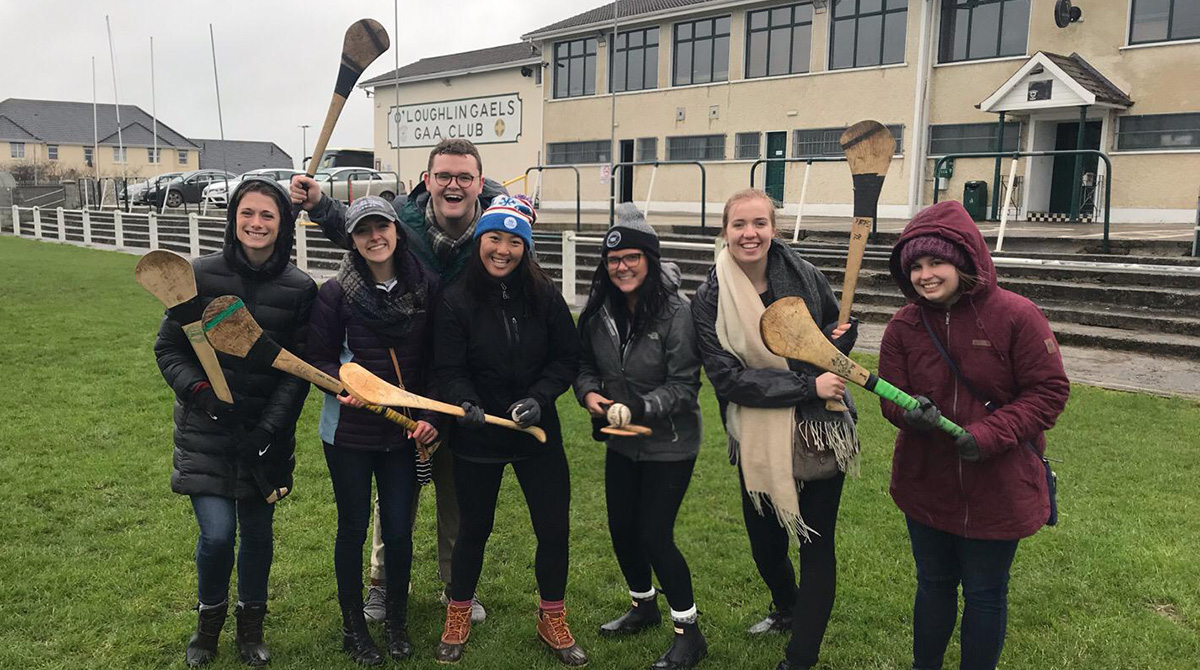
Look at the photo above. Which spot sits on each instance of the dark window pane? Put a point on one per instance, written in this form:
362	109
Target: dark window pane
781	16
651	72
756	55
801	47
985	28
562	49
683	63
1015	33
843	8
560	79
865	6
721	62
622	40
893	37
723	28
652	38
636	70
804	13
870	30
620	81
758	20
1150	20
577	48
1185	20
683	31
779	61
590	46
842	53
897	4
702	62
589	75
703	29
575	74
962	24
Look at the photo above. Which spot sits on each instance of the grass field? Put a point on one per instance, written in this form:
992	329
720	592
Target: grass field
96	552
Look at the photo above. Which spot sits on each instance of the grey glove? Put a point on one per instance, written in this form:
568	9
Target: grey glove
525	412
925	416
472	417
968	448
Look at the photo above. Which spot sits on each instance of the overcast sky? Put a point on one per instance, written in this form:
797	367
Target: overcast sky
277	60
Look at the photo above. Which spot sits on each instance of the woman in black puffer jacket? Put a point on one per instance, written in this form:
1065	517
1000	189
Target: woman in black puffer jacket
218	445
375	313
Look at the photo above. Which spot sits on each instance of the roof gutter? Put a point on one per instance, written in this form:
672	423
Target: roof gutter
633	21
451	73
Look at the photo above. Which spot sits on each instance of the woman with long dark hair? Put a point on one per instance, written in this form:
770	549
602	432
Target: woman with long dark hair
640	361
506	345
375	312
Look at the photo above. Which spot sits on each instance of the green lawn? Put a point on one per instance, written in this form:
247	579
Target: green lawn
96	552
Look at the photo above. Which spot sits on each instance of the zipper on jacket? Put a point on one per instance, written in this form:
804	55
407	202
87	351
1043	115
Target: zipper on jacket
962	488
510	322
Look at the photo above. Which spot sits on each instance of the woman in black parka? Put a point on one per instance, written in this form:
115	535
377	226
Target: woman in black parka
217	445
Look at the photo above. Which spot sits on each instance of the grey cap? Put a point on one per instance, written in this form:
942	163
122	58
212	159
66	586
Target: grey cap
368	205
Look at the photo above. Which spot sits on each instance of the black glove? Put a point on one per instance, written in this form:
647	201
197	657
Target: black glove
526	412
256	444
473	417
925	416
968	448
599	422
206	399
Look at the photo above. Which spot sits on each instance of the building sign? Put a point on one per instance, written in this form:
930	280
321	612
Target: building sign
487	120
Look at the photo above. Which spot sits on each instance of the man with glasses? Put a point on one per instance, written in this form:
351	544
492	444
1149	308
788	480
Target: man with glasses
438	219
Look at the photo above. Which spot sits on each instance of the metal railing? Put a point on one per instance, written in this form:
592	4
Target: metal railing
578	193
808	161
1057	152
612	188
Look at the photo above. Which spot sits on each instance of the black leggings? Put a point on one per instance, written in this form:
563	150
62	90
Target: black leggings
643	501
811	603
396	479
547	487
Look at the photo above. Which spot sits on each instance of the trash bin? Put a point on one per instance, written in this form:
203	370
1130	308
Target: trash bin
975	199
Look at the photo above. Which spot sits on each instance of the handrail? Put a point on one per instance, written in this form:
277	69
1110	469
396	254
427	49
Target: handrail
612	188
795	159
1057	152
578	197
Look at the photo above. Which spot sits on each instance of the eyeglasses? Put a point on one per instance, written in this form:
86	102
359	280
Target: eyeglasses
630	261
444	179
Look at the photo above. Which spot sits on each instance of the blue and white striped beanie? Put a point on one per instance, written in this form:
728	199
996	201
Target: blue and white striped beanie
509	214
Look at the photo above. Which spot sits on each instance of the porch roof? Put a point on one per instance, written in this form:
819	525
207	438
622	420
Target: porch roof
1052	81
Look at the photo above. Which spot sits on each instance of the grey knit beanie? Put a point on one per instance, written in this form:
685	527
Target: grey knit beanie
630	231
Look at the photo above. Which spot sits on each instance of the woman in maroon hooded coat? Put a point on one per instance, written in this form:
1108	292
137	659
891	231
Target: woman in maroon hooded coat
967	501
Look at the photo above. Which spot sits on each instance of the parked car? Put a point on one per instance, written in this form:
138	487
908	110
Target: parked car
217	194
137	191
186	188
348	183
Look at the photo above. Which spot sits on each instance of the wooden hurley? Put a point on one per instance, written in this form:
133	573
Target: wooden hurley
365	41
368	388
789	331
169	277
868	146
628	430
231	329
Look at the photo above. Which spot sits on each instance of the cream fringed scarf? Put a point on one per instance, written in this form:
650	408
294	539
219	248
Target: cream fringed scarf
764	434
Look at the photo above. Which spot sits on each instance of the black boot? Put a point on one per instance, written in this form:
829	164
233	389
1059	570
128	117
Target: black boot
249	640
686	649
642	614
356	641
202	648
396	624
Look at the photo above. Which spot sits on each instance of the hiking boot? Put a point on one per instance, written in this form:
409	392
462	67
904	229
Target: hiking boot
552	629
776	622
375	609
249	640
686	649
396	623
643	613
356	640
202	647
478	613
454	634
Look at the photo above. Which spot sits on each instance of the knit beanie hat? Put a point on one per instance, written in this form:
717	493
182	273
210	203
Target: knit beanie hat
508	214
936	246
630	231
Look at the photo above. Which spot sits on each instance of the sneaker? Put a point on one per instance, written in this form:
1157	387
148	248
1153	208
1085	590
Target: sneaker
553	630
454	635
375	608
478	613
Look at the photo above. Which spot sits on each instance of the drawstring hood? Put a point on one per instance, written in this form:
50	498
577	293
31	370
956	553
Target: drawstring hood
281	254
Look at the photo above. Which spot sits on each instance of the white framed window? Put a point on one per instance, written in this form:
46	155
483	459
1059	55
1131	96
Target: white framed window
183	156
52	152
119	154
696	148
87	156
154	155
16	149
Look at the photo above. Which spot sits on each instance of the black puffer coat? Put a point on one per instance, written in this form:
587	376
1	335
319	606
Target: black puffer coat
496	349
279	296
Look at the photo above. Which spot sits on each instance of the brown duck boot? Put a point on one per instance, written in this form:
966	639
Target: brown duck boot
455	634
552	629
202	648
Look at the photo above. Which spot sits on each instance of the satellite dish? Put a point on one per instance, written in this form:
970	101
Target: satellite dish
1065	14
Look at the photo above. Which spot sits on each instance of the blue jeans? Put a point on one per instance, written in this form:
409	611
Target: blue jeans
396	479
982	566
219	518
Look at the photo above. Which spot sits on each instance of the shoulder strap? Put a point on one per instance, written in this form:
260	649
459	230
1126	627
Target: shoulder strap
991	406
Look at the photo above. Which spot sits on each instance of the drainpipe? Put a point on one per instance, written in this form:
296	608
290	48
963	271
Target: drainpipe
920	116
996	173
1075	183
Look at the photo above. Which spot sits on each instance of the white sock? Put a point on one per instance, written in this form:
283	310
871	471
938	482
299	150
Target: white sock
686	616
643	596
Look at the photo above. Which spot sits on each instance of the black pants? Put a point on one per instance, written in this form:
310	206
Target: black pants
547	487
643	501
396	478
811	603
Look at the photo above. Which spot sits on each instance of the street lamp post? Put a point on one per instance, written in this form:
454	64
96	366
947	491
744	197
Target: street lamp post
303	144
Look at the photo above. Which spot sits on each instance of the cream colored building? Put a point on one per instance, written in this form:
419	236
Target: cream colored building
729	82
65	138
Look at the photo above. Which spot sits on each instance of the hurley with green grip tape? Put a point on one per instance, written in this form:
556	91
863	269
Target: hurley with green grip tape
789	331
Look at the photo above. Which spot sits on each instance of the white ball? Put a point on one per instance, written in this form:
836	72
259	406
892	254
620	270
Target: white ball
619	415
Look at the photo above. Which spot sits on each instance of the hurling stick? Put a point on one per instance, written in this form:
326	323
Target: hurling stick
368	388
788	330
231	329
169	277
628	430
365	41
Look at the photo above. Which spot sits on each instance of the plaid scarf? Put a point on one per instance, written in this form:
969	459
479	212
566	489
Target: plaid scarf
444	247
389	314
